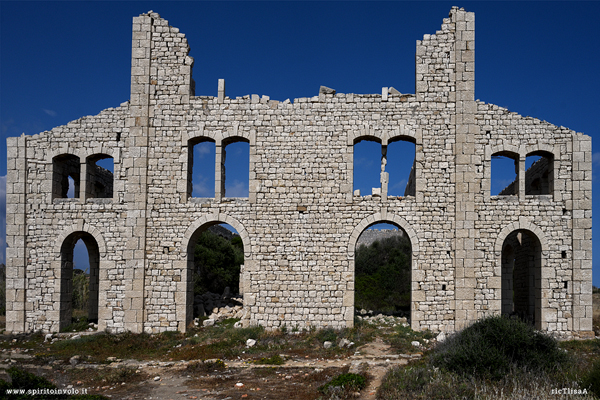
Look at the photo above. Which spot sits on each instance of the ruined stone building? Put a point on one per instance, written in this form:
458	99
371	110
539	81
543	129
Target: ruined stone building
526	251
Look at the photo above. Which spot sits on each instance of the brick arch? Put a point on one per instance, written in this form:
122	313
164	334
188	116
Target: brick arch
235	134
66	151
214	219
507	149
403	133
79	227
542	147
200	132
520	225
383	218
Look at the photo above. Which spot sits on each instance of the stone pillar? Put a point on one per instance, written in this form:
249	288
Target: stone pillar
582	235
219	170
16	235
136	176
468	182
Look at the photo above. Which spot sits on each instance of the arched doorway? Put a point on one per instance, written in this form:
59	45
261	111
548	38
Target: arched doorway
522	276
227	235
401	228
382	271
86	281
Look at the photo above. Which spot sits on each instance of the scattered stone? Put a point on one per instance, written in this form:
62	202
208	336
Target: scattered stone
208	322
327	344
76	337
48	337
326	90
250	342
238	324
157	378
74	360
441	337
239	384
415	343
345	343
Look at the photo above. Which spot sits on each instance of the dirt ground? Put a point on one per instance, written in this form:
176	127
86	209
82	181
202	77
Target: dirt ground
296	379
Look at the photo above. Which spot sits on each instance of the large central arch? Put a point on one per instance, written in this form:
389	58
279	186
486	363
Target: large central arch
185	303
377	218
522	252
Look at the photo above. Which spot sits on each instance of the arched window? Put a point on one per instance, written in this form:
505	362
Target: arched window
505	173
235	170
539	173
201	168
401	163
66	170
367	167
99	176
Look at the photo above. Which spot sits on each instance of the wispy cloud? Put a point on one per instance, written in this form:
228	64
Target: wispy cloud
51	113
204	149
202	187
236	189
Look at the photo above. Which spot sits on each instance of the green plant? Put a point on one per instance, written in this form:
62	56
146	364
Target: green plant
497	345
206	366
327	335
77	325
216	264
21	379
273	360
383	275
591	380
81	290
344	382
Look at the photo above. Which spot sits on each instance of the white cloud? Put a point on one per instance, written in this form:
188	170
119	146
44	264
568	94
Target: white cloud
201	188
51	113
237	189
204	149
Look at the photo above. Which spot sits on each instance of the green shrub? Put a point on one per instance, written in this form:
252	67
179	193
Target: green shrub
591	380
495	346
420	381
273	360
21	379
327	335
345	383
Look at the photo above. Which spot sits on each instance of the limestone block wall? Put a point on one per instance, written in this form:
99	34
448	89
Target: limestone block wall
300	222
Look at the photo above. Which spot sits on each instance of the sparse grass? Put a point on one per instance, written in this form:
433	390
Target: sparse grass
275	359
78	324
206	366
402	336
343	386
124	345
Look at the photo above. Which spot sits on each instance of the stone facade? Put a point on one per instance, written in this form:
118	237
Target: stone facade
301	220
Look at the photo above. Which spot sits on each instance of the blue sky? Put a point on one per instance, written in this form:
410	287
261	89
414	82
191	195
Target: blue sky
60	61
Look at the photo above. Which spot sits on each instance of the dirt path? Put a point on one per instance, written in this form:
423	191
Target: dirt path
296	379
